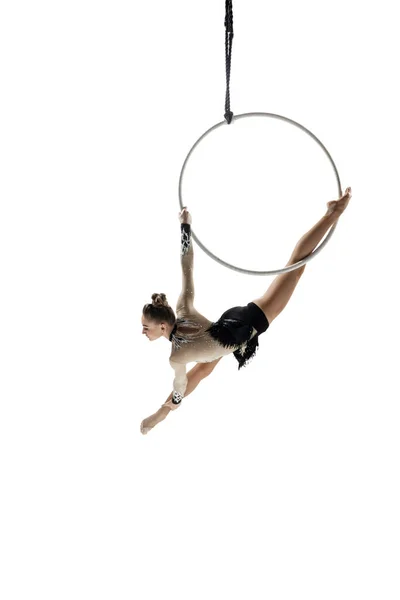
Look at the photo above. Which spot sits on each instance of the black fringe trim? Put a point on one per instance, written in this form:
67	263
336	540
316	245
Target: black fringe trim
244	356
231	333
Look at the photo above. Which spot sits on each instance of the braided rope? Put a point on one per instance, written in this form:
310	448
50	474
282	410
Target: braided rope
228	57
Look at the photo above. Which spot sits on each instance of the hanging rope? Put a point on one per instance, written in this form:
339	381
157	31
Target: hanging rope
228	57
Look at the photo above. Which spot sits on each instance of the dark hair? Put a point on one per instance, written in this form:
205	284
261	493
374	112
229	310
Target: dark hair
159	310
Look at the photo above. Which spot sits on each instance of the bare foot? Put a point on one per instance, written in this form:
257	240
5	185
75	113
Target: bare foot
339	206
153	420
145	426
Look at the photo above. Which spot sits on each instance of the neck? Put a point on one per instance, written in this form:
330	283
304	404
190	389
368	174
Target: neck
169	329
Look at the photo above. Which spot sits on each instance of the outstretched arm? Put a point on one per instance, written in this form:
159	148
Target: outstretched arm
180	382
194	376
186	298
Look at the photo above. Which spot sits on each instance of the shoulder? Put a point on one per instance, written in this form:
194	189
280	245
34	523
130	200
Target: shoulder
191	314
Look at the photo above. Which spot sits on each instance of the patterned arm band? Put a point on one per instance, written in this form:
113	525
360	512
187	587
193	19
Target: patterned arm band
186	236
176	398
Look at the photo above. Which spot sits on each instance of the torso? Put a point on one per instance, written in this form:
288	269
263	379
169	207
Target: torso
199	346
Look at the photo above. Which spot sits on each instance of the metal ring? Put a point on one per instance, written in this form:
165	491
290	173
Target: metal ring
274	271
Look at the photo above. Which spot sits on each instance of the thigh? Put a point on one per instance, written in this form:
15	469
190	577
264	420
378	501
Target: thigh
279	293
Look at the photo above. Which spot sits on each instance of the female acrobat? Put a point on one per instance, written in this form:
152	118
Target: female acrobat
196	339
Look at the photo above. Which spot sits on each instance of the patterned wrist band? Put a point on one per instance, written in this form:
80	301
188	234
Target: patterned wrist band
186	236
176	398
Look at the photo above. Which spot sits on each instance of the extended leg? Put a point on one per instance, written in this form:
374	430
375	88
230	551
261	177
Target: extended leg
281	289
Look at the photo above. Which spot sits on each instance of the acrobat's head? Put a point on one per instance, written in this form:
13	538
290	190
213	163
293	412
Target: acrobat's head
158	318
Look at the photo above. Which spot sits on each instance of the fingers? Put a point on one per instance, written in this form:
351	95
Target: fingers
185	216
169	404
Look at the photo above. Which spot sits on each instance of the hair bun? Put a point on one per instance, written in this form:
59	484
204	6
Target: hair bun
159	300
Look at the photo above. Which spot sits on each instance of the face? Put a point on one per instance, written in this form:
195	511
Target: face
151	330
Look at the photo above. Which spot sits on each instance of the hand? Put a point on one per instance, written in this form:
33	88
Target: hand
169	404
185	216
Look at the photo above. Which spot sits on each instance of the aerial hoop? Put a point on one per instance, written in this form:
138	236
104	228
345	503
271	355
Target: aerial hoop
249	271
231	118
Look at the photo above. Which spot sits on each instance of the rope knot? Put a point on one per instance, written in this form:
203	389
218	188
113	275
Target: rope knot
228	116
228	57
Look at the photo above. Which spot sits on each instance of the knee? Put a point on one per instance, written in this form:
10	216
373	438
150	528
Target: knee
296	273
295	258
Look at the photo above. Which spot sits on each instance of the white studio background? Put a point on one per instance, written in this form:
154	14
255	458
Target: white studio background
279	481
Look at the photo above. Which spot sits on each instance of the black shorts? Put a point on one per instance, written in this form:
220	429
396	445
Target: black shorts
235	326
